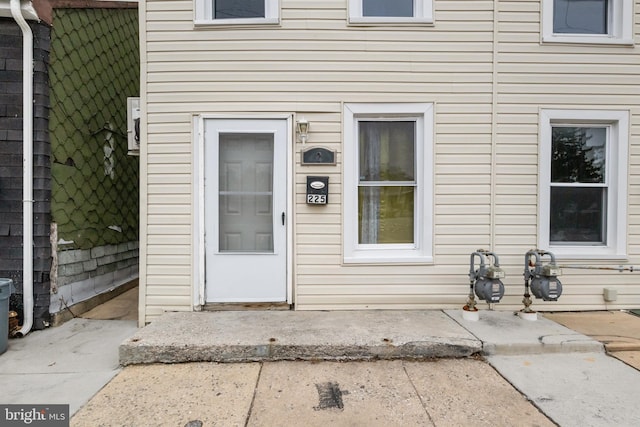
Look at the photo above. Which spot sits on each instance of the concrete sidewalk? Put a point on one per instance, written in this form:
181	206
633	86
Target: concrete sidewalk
67	364
398	370
562	373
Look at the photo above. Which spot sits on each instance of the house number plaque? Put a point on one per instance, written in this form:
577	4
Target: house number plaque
318	156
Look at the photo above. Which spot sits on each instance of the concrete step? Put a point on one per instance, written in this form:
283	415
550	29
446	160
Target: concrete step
245	336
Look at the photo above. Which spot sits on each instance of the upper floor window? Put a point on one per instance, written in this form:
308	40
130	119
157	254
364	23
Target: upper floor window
583	179
587	21
390	11
230	12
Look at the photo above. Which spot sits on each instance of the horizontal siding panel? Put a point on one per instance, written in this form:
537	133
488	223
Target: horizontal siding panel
157	285
469	241
247	99
464	229
462	209
173	259
407	301
369	65
463	190
318	219
318	239
173	178
170	270
177	199
167	168
168	250
168	189
514	219
461	56
180	230
331	76
334	250
171	220
169	239
154	6
317	229
461	179
169	158
282	46
379	289
461	220
318	86
169	300
455	169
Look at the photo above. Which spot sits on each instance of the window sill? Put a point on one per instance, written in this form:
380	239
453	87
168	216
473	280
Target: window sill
587	254
354	21
222	23
367	258
598	40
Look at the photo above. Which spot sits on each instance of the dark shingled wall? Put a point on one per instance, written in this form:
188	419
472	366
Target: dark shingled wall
11	140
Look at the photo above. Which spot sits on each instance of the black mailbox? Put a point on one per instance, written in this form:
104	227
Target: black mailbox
317	190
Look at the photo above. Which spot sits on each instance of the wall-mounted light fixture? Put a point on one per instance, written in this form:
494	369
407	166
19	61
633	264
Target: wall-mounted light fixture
302	127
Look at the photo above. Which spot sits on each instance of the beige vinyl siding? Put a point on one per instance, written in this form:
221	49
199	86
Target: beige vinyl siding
532	76
485	122
311	64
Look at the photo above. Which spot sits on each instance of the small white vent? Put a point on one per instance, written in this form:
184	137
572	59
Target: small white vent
133	125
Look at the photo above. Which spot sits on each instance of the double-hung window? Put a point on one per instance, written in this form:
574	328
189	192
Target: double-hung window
230	12
388	182
587	21
390	11
583	178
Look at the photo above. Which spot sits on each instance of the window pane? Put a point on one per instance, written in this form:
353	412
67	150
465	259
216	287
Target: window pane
578	154
578	215
580	16
387	151
394	8
230	9
385	215
246	196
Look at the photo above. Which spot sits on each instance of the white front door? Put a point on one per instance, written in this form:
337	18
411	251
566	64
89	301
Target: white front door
245	210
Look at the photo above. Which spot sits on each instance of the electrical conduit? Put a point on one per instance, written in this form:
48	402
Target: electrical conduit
27	192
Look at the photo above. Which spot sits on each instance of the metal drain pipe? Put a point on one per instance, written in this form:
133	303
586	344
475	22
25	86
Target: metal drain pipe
619	268
27	186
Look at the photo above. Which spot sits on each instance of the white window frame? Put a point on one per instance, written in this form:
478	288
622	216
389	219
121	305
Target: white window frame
620	25
617	123
203	10
421	251
422	14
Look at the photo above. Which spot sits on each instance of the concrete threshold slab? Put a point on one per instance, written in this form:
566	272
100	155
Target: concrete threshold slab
505	333
244	336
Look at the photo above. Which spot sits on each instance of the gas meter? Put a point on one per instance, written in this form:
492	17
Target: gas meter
485	280
542	278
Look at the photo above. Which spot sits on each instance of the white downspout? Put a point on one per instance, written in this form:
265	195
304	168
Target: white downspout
27	192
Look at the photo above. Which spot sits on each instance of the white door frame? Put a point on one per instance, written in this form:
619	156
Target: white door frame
198	224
